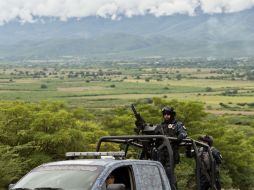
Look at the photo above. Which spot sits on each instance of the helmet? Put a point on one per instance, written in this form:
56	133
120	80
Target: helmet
206	138
168	110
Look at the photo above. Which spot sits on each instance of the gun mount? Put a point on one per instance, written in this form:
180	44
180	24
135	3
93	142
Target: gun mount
142	127
140	142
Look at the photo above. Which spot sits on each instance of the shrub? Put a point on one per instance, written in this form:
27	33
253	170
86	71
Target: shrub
44	86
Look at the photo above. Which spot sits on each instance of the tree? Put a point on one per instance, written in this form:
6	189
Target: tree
179	77
38	133
208	89
44	86
10	166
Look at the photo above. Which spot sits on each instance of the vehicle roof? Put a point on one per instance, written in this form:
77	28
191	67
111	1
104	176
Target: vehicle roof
98	162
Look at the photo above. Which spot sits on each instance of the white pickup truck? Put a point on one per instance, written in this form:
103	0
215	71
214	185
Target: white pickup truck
91	174
143	173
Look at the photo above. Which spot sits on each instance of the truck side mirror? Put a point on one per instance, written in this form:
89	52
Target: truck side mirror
116	187
10	186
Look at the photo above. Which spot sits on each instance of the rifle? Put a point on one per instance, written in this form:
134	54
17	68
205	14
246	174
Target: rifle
140	122
143	128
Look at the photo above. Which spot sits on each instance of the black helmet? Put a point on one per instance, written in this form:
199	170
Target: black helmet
206	138
168	110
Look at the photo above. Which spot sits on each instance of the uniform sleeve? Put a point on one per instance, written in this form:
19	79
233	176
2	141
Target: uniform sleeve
216	155
181	131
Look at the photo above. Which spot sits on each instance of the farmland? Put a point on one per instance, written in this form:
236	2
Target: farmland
117	83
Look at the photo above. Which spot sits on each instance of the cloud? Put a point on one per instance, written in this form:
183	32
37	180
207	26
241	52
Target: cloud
225	6
31	10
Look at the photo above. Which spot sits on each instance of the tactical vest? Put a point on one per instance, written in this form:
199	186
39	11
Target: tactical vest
170	130
204	156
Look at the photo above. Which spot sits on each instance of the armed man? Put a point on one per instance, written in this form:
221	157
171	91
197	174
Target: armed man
171	128
205	182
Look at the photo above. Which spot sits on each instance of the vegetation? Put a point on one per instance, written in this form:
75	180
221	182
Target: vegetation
66	106
34	133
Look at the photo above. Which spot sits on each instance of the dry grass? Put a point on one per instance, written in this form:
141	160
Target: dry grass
79	89
223	112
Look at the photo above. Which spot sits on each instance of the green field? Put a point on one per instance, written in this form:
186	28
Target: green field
106	87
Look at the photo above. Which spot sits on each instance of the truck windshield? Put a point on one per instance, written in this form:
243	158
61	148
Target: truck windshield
60	177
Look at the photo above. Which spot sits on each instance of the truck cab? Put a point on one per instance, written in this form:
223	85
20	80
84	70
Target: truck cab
91	174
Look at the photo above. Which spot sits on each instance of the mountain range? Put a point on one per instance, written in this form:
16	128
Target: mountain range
222	35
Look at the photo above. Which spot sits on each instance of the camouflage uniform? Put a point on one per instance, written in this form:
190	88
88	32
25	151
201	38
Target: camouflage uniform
204	179
218	159
171	128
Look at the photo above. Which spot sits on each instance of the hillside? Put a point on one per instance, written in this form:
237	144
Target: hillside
223	35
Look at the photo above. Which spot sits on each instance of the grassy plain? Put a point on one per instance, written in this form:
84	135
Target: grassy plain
117	86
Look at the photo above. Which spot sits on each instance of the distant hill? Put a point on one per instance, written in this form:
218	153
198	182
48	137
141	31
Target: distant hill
226	35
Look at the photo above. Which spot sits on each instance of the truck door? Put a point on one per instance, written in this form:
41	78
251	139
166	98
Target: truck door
151	177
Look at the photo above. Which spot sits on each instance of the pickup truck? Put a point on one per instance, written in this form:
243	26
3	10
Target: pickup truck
91	174
143	173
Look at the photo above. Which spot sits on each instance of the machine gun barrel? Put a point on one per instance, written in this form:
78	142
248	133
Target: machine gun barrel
140	122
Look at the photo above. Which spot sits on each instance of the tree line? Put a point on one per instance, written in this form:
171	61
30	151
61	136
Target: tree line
35	133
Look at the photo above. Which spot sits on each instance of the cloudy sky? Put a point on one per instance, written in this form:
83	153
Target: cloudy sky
31	10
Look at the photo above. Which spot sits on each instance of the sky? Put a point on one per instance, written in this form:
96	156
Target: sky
33	10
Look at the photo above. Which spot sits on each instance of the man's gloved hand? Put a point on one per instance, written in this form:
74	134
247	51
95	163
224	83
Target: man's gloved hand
180	138
189	152
136	130
138	123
